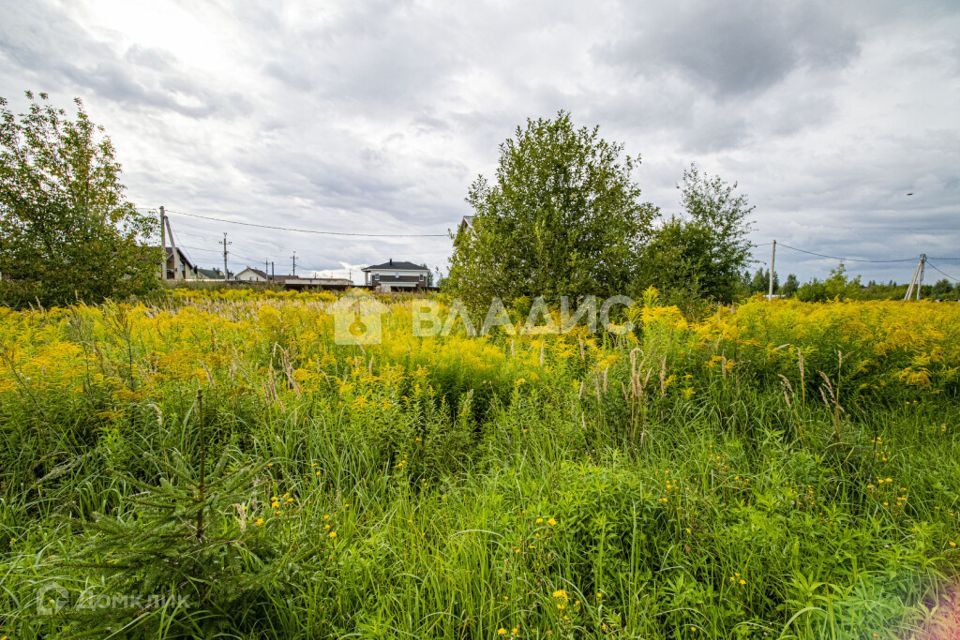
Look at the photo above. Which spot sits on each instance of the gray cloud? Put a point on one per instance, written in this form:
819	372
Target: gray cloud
375	116
733	48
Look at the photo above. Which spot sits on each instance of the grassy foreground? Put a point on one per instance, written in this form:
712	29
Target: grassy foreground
216	466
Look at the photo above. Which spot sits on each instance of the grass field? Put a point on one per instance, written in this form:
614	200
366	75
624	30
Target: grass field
216	466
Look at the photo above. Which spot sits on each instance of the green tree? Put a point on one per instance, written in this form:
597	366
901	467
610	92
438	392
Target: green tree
790	285
562	217
67	231
705	249
942	289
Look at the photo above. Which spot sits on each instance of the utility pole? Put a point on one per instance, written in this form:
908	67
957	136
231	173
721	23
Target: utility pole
163	244
266	267
294	257
773	264
917	280
923	264
273	271
173	251
225	253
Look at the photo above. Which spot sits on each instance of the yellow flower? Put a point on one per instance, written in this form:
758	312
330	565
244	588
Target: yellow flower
501	631
258	522
539	520
742	582
332	534
953	545
552	522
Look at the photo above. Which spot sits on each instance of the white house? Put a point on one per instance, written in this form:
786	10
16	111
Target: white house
252	275
397	274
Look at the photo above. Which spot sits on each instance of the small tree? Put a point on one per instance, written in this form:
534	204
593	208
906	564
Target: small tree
562	218
790	285
708	247
67	231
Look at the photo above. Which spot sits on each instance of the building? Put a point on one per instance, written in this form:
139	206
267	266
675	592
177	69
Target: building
395	275
179	267
293	282
253	275
297	282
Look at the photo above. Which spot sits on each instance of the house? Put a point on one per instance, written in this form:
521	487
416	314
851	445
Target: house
397	275
207	274
253	275
179	267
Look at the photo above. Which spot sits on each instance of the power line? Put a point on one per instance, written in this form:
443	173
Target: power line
937	269
313	231
823	255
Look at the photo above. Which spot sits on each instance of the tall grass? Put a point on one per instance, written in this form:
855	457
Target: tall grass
216	466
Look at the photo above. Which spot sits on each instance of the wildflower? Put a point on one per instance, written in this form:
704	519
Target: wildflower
258	522
501	631
742	582
552	522
953	544
326	516
539	521
332	534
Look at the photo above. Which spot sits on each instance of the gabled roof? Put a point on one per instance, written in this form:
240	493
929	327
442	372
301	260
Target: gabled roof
260	273
398	265
184	260
212	274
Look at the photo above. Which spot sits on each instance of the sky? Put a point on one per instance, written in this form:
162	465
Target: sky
375	117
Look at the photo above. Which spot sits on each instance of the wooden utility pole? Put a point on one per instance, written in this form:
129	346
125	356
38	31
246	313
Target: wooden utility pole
163	244
225	253
923	265
173	251
773	265
294	257
917	280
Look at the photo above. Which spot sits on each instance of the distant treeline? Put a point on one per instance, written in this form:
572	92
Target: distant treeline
840	286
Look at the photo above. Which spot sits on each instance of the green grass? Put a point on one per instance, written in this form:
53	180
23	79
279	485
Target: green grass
537	507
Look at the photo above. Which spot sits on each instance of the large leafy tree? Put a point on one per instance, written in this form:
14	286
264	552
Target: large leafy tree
704	251
67	231
563	217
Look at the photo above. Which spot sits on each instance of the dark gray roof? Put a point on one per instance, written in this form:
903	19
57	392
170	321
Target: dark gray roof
210	273
397	264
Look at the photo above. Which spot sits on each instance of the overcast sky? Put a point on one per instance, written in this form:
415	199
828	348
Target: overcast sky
375	116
